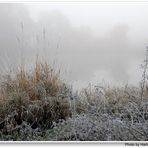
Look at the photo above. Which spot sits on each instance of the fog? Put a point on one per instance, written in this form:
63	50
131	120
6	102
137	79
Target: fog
91	42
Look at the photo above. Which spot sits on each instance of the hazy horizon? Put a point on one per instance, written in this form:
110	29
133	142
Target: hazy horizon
90	42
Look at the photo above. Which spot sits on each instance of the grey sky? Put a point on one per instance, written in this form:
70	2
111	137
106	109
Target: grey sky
91	41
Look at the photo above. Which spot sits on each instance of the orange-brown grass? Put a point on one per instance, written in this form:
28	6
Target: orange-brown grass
36	97
42	74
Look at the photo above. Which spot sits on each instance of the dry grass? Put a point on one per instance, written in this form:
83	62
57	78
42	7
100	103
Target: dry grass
38	105
37	98
106	114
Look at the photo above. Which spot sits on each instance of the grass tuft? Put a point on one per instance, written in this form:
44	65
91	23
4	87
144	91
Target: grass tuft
36	98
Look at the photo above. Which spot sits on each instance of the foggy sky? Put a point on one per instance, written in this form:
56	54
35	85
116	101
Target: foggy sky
89	42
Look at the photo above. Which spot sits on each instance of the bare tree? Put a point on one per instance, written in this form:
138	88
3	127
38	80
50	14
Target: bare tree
144	75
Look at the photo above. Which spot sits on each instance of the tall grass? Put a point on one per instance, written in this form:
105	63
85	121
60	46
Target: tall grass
36	98
39	105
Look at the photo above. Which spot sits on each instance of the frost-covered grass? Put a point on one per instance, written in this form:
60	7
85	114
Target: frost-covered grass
37	105
33	99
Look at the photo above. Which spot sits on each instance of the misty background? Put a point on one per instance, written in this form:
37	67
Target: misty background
91	42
